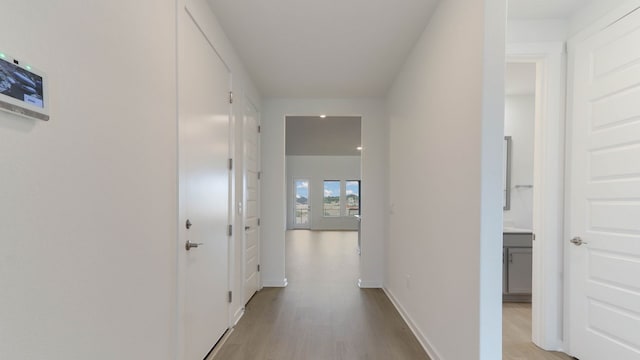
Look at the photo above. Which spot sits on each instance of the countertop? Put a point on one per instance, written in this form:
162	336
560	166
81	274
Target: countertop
512	230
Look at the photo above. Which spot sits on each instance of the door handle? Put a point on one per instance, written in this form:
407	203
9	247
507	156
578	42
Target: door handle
247	228
577	241
190	245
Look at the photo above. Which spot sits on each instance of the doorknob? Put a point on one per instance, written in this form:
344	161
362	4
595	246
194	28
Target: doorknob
190	245
577	241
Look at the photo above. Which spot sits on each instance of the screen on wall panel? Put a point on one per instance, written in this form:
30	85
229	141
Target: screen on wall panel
21	84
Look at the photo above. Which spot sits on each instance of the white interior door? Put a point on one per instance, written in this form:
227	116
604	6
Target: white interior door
604	208
252	201
204	176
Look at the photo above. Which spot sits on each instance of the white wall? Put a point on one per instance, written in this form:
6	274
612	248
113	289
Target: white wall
520	125
88	200
537	31
242	83
374	181
444	250
316	169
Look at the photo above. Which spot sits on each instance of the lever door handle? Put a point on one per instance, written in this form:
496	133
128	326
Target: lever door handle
190	245
247	228
577	241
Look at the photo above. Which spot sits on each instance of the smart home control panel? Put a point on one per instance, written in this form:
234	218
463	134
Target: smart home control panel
23	89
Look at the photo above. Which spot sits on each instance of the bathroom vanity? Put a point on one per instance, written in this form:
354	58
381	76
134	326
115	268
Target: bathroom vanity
517	262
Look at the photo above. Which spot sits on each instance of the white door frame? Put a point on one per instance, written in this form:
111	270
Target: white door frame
548	189
235	126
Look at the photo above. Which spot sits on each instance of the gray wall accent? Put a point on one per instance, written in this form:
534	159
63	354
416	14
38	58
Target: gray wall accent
331	136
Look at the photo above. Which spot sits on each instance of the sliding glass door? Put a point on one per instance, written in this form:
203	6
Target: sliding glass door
301	204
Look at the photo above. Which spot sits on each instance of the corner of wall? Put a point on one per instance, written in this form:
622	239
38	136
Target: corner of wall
422	339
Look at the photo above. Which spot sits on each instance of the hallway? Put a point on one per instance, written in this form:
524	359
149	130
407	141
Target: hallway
321	314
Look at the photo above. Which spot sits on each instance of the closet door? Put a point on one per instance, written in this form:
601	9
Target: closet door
603	248
252	201
204	197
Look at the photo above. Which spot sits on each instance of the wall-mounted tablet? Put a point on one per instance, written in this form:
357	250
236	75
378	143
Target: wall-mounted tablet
23	89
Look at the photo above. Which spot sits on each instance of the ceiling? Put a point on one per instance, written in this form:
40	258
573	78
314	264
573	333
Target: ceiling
520	79
337	48
321	49
544	9
331	136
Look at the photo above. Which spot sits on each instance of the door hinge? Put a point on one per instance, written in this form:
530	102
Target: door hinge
230	97
230	230
259	174
259	128
258	221
230	164
533	237
258	267
230	296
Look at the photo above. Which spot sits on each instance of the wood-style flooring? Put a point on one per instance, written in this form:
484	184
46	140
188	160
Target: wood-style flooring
321	314
516	339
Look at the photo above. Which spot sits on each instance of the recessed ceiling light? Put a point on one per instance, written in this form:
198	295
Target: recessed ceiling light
359	148
323	116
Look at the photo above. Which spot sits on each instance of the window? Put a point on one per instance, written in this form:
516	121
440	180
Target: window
353	197
331	201
301	202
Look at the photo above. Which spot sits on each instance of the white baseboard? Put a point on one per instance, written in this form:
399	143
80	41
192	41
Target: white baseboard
237	316
364	284
426	344
219	345
275	283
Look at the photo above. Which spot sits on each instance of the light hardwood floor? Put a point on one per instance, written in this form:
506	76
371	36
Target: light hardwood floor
516	340
322	314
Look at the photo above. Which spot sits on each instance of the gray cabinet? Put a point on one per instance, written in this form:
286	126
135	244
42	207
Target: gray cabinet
517	262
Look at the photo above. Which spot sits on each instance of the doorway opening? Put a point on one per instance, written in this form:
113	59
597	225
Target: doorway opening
323	172
518	196
533	221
